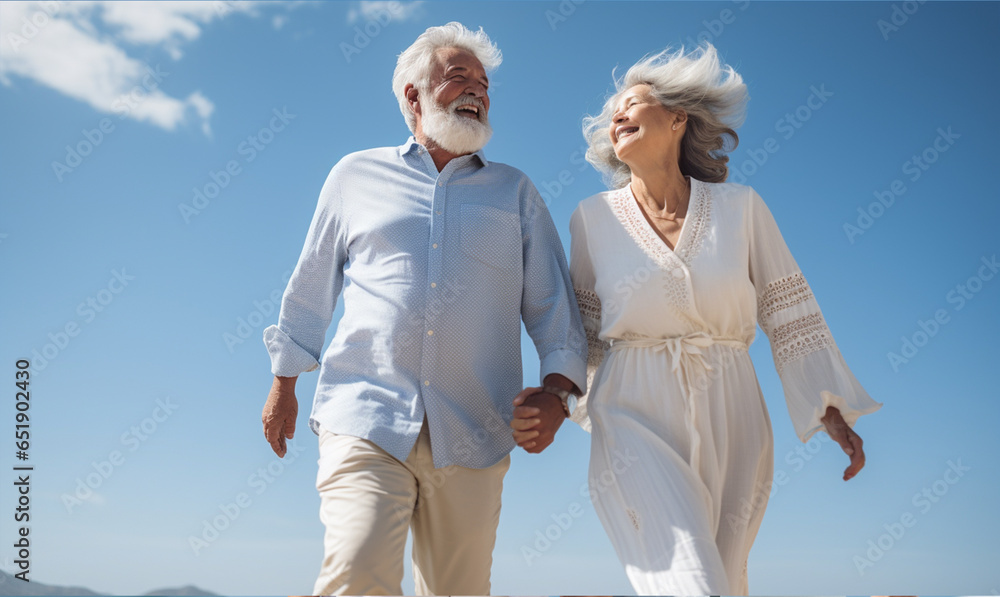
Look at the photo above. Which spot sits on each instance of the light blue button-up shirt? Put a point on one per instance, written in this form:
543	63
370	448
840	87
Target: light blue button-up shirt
437	271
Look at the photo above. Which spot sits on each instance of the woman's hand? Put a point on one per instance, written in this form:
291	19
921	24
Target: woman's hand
279	414
840	432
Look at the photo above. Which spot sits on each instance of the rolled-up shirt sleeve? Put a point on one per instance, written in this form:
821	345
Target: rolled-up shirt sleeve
548	304
296	342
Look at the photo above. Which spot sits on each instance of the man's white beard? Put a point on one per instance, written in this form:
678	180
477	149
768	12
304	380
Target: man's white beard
456	134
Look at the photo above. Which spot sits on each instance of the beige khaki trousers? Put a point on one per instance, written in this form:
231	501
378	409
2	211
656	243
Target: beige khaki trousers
368	502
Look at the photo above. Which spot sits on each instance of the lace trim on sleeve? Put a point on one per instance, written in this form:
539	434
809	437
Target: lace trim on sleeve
590	312
589	303
800	337
595	352
782	294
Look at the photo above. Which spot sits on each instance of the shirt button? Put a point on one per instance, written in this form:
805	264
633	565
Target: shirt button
435	245
678	273
441	184
430	332
438	212
434	285
427	383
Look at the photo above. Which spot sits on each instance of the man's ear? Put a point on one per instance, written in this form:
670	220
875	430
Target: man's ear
411	94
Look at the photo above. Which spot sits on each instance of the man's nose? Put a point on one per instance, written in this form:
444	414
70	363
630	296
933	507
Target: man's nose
476	89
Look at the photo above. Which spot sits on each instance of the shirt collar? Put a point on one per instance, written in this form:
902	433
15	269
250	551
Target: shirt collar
412	145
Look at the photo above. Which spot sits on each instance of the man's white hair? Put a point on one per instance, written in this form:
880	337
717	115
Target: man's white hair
415	63
712	94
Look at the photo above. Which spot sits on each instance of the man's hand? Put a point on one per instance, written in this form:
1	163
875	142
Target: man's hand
850	442
537	417
279	414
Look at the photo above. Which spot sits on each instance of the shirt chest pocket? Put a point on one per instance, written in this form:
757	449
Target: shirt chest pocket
491	235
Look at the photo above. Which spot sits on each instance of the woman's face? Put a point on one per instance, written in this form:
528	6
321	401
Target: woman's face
641	125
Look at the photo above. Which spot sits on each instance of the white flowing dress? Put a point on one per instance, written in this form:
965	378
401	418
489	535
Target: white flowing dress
682	453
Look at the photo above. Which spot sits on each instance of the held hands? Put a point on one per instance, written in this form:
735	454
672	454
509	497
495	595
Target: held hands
279	414
840	432
537	417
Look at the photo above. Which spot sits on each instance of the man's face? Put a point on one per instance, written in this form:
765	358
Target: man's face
457	74
454	108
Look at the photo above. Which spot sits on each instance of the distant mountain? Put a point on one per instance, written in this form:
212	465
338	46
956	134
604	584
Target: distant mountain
185	591
15	586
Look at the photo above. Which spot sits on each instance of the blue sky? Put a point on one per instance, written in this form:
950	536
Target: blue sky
169	97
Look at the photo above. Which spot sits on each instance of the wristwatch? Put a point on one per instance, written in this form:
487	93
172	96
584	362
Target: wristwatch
566	397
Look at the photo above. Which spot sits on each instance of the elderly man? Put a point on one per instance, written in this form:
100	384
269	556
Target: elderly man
444	253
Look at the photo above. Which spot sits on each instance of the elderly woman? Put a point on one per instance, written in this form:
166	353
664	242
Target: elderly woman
673	270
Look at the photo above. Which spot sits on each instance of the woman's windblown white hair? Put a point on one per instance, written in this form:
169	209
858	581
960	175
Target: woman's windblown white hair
712	94
415	63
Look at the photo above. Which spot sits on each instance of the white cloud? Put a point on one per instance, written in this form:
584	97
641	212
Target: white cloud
204	107
368	10
79	50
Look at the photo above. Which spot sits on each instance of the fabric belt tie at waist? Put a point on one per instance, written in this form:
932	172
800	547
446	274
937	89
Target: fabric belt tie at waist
685	352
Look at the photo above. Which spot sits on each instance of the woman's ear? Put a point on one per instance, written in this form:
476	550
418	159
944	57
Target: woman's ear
681	117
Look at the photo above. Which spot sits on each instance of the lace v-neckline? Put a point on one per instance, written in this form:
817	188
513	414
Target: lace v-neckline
691	237
652	227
